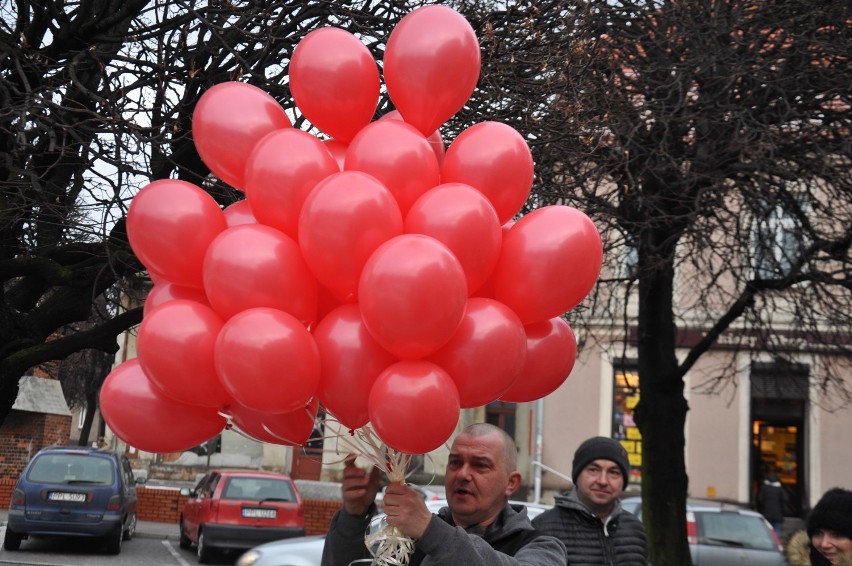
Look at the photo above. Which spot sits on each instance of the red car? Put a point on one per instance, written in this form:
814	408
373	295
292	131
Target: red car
239	509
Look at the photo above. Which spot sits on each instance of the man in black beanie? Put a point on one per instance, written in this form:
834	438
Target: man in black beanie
589	519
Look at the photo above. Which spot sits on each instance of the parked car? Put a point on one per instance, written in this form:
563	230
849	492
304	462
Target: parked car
723	534
307	551
238	509
74	491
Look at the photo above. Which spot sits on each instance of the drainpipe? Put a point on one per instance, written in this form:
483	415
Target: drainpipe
539	424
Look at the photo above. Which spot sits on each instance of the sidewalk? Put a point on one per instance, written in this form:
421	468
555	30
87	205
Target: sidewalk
144	529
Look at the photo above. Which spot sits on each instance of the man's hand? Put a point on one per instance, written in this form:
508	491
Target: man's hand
406	510
359	489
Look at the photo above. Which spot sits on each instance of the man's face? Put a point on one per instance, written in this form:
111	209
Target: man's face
477	481
599	485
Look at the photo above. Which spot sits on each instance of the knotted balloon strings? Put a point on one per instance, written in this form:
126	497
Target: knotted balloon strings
388	546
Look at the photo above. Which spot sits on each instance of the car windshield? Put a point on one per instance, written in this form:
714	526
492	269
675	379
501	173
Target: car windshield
71	469
259	489
734	529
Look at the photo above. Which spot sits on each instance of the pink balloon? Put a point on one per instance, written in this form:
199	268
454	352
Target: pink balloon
257	266
414	407
286	429
281	171
412	295
170	224
175	348
164	292
239	213
486	354
398	156
550	260
335	82
435	139
267	361
337	149
431	66
551	352
461	218
344	220
229	119
495	159
140	415
351	362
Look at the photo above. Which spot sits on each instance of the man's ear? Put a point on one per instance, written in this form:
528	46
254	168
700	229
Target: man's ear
514	483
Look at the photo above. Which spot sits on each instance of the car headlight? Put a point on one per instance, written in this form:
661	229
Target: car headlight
248	558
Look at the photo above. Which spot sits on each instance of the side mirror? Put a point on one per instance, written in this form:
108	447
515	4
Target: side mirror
141	480
185	491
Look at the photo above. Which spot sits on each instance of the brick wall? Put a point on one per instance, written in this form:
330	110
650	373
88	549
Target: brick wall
24	434
164	505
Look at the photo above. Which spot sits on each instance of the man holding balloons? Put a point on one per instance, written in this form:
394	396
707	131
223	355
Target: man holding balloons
478	527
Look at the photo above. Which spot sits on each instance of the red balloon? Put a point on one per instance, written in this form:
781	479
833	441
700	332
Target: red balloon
431	66
397	155
239	213
414	407
282	170
229	119
550	260
267	361
351	362
175	347
287	429
140	415
163	292
337	149
486	354
412	295
461	218
253	265
170	224
494	159
344	220
435	139
551	352
335	82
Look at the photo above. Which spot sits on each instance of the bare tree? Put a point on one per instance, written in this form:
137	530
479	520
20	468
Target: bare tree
710	141
96	100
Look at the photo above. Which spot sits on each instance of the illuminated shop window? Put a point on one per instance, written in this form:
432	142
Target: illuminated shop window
624	429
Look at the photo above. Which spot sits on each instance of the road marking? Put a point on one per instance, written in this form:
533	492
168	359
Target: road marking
173	551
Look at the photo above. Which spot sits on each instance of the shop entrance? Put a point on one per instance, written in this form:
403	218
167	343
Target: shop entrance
778	405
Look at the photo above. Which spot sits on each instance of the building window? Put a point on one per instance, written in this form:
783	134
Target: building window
625	398
502	415
778	239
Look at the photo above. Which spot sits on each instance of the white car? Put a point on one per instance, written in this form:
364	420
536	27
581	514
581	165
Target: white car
307	551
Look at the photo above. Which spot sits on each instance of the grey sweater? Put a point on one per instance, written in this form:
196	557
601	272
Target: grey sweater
510	540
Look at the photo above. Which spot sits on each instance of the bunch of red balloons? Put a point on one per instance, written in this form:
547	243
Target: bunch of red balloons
373	272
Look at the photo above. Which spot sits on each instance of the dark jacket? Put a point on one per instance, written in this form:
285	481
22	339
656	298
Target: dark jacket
801	553
509	540
590	542
772	499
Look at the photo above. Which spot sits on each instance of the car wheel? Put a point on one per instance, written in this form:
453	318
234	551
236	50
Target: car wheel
130	527
184	541
113	541
12	541
204	553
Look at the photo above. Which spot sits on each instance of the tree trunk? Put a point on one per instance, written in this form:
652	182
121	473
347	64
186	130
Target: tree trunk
664	480
91	409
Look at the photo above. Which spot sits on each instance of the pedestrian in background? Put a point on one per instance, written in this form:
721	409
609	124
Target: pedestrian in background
827	540
772	501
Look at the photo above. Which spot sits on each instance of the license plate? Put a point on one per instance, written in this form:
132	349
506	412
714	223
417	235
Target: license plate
258	513
65	496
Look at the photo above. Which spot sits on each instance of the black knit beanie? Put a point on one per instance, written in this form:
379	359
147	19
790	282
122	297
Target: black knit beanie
833	512
600	448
